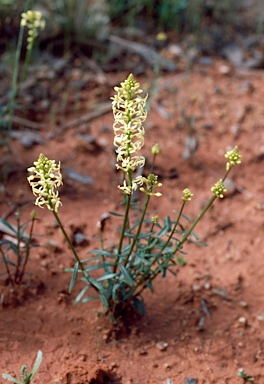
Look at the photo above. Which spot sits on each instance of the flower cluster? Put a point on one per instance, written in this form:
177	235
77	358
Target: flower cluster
151	183
234	158
187	195
129	114
34	21
45	178
219	189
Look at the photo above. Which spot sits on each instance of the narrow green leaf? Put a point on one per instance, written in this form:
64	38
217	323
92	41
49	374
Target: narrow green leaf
127	276
116	214
139	306
109	276
9	226
89	298
104	301
95	283
74	276
10	378
100	253
37	364
80	294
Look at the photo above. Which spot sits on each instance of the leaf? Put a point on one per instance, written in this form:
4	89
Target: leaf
37	364
127	276
95	283
74	276
144	235
104	301
139	306
116	214
80	294
89	298
10	378
109	276
100	252
7	228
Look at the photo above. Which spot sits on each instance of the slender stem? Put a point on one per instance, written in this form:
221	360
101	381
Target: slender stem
173	229
69	242
185	236
139	229
26	62
152	164
102	243
11	104
143	278
27	249
6	265
16	275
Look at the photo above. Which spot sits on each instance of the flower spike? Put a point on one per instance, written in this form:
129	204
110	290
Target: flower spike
45	179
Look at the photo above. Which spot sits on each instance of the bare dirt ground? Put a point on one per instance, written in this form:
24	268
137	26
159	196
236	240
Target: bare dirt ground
208	321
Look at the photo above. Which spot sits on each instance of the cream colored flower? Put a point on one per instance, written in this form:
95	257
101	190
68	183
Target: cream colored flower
44	180
151	183
35	22
129	114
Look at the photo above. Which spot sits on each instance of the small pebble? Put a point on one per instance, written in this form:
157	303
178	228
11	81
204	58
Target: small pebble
196	287
162	345
242	321
243	304
260	317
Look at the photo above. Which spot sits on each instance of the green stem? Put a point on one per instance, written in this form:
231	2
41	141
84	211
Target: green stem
14	87
185	236
138	230
7	268
27	250
26	62
142	280
102	243
16	275
69	242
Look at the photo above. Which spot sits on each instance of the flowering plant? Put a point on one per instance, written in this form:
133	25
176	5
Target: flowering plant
146	247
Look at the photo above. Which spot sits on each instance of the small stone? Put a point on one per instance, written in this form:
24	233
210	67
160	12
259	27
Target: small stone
243	304
242	321
167	366
207	286
224	69
162	345
190	380
196	287
260	317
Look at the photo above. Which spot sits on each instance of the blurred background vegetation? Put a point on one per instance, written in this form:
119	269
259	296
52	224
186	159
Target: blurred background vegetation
90	21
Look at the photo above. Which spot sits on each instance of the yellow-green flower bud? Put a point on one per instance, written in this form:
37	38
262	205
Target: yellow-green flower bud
219	189
44	180
151	183
155	219
187	195
234	158
155	149
33	214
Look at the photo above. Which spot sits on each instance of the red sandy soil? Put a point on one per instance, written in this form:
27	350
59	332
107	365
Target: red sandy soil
222	283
